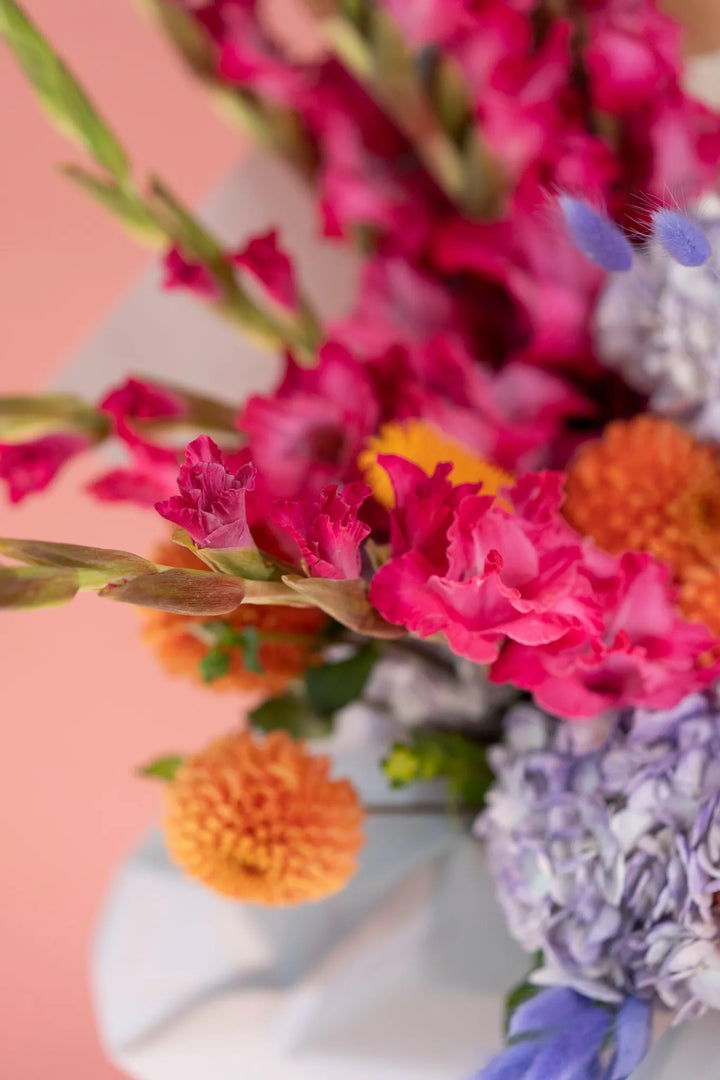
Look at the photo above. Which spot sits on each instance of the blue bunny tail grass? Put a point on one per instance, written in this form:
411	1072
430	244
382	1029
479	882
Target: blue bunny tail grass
680	237
596	235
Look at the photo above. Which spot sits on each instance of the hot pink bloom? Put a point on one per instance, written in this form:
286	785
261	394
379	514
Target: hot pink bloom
513	417
510	575
136	403
310	432
633	53
429	22
144	483
327	532
182	273
424	508
250	57
31	466
647	655
521	591
268	263
398	304
361	187
552	284
673	145
211	503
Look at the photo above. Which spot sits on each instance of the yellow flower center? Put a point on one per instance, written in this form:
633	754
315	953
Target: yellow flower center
425	446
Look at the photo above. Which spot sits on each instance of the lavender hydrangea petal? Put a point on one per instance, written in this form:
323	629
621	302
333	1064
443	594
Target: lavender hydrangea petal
606	855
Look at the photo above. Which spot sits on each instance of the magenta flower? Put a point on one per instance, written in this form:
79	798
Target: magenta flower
632	53
182	273
211	503
514	576
646	655
429	22
249	56
265	261
135	402
144	482
424	509
512	417
398	304
31	466
327	532
310	432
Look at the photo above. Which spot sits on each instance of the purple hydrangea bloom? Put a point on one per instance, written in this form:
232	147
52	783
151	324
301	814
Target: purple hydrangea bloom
606	856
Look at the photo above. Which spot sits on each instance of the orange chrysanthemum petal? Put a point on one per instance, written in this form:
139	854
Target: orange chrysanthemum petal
426	446
180	645
648	485
261	820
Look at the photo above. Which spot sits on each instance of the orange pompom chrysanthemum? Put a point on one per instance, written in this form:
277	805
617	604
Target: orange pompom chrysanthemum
287	638
648	485
260	819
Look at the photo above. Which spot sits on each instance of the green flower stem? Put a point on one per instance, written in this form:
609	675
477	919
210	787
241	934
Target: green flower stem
434	114
158	218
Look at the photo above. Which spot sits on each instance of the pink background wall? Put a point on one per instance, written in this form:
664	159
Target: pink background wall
82	703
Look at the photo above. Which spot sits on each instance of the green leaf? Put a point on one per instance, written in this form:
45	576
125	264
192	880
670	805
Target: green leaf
183	592
106	560
433	755
196	241
25	587
215	664
521	993
29	417
59	91
244	562
292	714
163	768
332	686
347	602
185	31
122	201
249	641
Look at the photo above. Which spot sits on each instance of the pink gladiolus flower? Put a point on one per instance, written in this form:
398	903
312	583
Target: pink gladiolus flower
510	575
136	401
512	417
327	532
648	654
398	305
424	508
182	273
211	503
143	483
429	22
29	467
633	54
264	259
310	432
249	56
552	285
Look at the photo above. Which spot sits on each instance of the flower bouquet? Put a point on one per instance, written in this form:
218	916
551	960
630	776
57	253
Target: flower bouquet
480	511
